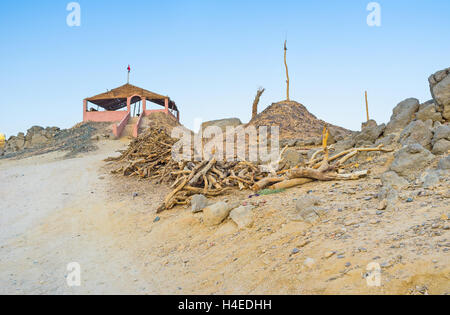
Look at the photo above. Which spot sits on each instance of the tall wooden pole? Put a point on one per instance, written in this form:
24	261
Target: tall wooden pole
367	107
287	71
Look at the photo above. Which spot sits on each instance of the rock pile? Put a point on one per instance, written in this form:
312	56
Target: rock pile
36	136
298	127
419	132
426	124
39	140
440	90
222	124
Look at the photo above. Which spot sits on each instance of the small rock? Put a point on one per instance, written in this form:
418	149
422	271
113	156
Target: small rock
217	213
198	203
306	209
383	204
329	254
309	262
242	216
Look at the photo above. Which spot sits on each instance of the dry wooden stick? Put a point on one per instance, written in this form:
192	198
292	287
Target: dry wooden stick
256	102
289	183
263	183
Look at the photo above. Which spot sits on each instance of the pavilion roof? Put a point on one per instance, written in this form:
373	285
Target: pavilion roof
117	98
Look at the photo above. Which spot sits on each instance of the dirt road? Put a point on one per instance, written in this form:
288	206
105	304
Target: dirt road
56	211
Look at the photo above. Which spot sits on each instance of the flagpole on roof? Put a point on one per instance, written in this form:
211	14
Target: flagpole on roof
128	79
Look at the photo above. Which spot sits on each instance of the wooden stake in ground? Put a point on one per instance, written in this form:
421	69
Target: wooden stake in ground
367	108
256	102
287	71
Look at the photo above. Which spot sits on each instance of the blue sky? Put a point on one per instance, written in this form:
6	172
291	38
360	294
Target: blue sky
211	56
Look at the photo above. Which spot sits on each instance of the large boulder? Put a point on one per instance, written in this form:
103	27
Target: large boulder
222	123
392	179
402	115
292	158
431	178
441	132
15	143
441	147
429	111
335	135
440	90
345	144
38	139
444	164
386	140
410	160
33	131
416	132
369	134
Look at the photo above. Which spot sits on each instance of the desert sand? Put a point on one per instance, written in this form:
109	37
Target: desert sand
55	211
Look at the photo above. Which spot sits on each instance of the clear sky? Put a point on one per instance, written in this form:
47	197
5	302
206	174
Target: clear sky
211	56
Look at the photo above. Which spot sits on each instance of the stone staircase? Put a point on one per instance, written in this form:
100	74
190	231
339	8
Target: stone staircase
128	131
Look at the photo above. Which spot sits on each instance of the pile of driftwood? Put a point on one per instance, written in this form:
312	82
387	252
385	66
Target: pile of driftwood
318	168
150	156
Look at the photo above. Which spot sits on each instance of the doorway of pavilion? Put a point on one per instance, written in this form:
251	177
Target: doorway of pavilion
136	106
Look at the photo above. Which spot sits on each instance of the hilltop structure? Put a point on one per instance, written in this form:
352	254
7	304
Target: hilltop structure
113	103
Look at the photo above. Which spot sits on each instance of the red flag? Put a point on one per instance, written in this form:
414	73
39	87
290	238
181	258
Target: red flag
129	68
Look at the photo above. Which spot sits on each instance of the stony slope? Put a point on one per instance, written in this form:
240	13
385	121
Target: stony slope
294	120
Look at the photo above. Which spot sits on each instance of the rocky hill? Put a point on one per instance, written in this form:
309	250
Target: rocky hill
295	122
40	140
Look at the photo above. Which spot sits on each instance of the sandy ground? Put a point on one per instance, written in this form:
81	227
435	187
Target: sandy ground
55	211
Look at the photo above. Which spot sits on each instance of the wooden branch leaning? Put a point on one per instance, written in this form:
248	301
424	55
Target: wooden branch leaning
256	102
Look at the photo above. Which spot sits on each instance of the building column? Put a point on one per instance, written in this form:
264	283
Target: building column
129	104
144	105
84	109
178	116
166	103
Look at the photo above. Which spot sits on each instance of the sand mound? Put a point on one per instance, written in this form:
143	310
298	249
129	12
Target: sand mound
294	120
159	120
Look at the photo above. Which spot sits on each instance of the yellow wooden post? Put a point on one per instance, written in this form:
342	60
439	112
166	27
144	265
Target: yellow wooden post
2	140
367	108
